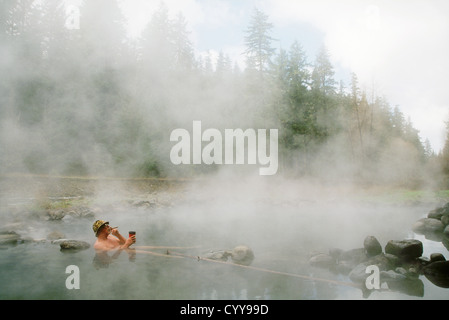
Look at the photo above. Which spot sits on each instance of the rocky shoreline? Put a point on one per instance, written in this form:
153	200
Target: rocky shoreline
23	219
401	262
435	226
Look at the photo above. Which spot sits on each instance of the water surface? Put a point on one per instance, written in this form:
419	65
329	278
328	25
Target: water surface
281	235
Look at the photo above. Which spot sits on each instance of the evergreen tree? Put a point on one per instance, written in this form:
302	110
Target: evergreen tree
102	105
323	73
444	155
298	73
224	65
323	97
258	41
183	49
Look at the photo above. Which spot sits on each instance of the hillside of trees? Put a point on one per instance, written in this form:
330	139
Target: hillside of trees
91	101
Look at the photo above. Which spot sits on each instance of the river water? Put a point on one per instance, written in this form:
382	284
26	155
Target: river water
282	236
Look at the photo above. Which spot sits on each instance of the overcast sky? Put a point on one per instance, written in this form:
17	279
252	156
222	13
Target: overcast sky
398	47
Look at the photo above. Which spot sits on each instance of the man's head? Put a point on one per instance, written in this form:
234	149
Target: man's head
99	225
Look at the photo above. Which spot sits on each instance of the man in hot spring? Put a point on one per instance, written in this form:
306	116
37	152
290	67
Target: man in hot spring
110	238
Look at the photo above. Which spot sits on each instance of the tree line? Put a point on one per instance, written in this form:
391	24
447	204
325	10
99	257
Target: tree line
92	101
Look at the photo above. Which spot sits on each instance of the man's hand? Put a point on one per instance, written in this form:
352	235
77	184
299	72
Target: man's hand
114	232
128	242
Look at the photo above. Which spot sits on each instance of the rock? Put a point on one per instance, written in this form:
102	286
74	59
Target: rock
347	260
383	261
59	241
445	220
354	256
85	212
438	273
9	238
74	245
372	246
409	286
242	255
401	270
439	212
335	253
413	273
393	260
322	260
8	232
428	225
57	214
446	230
391	275
435	214
438	267
221	255
405	249
434	257
358	273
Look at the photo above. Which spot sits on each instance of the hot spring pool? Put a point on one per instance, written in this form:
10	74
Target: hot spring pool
281	236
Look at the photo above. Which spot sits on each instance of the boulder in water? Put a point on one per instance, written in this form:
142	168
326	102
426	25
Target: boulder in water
242	255
74	245
438	273
405	249
221	255
428	225
9	238
372	246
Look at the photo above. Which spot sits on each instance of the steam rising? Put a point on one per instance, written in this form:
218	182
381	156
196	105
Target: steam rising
91	102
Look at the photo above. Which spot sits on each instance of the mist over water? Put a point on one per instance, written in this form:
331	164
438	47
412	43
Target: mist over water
86	112
283	222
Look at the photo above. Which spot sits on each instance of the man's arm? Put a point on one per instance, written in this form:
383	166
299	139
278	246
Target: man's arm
120	238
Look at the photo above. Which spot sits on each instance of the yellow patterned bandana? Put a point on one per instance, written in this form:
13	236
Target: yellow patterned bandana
97	225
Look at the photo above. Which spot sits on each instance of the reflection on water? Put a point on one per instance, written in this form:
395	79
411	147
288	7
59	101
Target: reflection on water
103	259
282	238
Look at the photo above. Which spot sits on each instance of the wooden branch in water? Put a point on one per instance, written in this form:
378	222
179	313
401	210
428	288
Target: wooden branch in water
165	248
157	254
171	254
310	278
